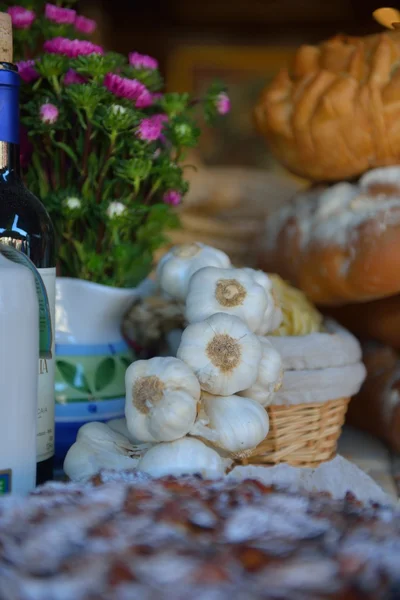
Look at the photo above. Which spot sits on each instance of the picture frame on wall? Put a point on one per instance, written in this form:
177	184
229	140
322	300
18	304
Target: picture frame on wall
245	70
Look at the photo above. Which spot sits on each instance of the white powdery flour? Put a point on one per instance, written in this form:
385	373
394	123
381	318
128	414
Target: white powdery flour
337	476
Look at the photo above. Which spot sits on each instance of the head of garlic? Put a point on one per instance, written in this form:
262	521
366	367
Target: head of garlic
233	423
273	315
270	375
98	447
223	353
179	264
232	291
161	399
186	456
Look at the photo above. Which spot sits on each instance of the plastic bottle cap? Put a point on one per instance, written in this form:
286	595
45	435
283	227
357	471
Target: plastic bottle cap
6	38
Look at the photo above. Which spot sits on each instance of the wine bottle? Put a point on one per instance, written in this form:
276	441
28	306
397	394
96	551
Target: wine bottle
26	225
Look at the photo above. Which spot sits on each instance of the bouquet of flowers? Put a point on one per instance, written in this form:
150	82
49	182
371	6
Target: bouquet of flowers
104	147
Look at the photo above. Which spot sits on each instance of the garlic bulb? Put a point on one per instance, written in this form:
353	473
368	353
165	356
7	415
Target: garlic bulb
235	424
223	353
99	447
186	456
270	375
273	313
177	266
120	426
161	399
232	291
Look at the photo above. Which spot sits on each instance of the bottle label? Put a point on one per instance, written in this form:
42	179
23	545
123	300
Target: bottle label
46	402
5	482
46	345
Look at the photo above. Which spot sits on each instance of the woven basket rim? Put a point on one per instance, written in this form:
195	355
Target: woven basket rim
303	435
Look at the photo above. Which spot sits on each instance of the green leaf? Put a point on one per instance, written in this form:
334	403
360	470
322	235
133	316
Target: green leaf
105	373
73	375
67	149
125	361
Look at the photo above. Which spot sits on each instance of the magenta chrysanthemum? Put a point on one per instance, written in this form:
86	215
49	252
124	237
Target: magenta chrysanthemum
85	25
128	88
150	128
27	71
142	61
21	17
223	103
61	16
72	77
49	113
71	48
172	197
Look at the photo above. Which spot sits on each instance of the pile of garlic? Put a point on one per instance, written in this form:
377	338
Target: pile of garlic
202	409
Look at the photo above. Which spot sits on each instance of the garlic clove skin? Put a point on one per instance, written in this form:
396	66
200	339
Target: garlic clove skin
223	353
270	375
161	399
232	291
176	267
273	315
98	447
235	424
186	456
84	460
120	426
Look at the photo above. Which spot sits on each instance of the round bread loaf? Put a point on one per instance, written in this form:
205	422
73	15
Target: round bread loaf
335	113
339	244
378	320
376	408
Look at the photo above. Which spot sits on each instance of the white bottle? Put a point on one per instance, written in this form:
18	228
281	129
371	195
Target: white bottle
19	355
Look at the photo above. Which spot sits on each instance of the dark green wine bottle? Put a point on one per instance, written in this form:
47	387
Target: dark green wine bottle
26	225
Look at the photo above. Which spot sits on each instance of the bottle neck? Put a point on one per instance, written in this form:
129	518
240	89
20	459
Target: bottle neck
9	161
9	122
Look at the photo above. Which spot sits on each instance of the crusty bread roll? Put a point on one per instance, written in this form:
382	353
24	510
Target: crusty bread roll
378	320
376	408
339	244
336	112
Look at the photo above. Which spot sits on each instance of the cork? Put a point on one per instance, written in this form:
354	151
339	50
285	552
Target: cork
6	39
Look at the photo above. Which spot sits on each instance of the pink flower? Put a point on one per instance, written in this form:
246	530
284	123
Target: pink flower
27	71
21	17
223	103
71	48
157	96
150	129
85	25
172	197
49	113
72	77
62	16
128	88
142	61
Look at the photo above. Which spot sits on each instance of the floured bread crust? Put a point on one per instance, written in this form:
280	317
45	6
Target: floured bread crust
339	244
127	537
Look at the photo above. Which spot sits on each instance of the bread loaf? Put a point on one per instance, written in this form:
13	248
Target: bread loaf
376	408
339	244
335	113
378	320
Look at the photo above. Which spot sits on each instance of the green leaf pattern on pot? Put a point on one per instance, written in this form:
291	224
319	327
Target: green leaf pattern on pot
74	375
91	378
105	373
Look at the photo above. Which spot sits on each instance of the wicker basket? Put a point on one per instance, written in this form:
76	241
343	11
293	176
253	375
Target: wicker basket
303	435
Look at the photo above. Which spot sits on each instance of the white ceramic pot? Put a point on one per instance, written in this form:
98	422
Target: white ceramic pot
91	356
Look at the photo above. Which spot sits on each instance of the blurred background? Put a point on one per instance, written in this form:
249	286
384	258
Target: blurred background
242	42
